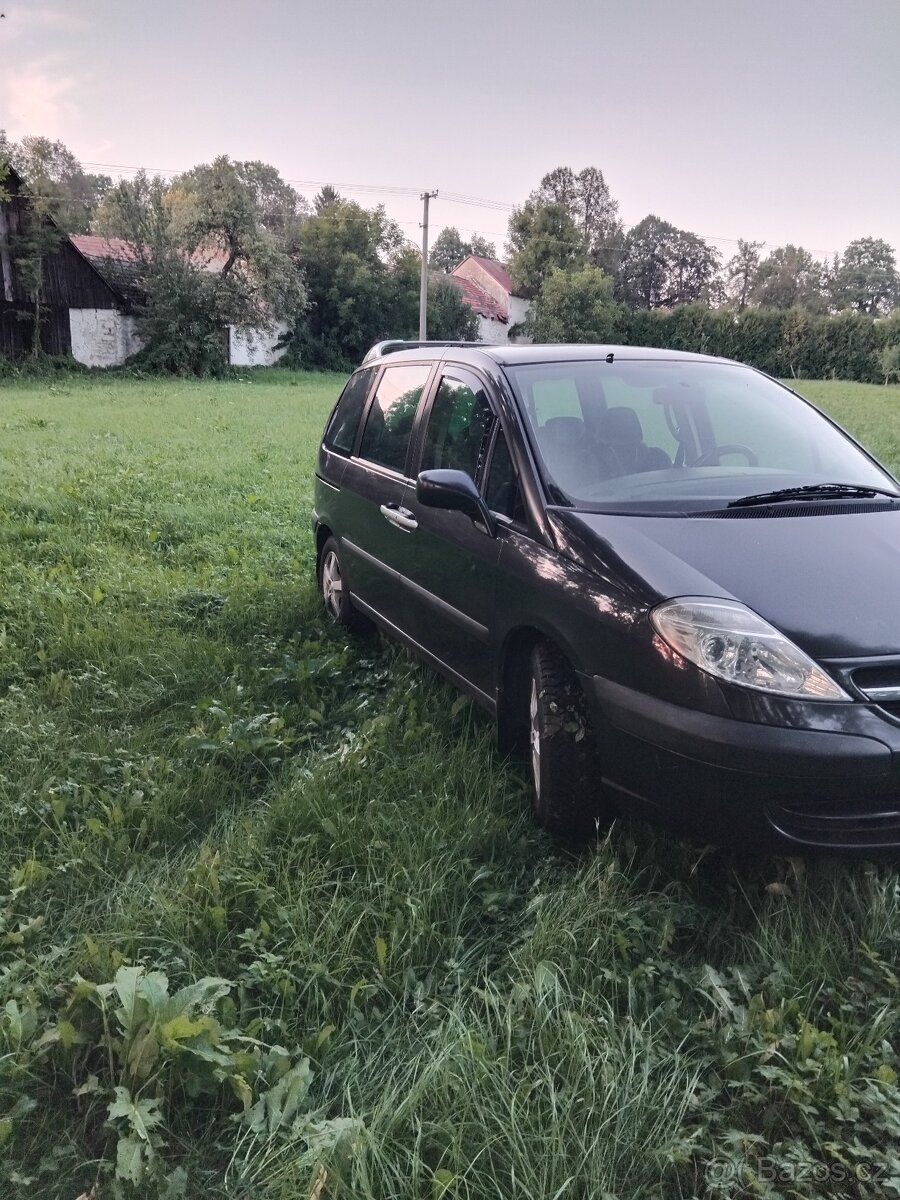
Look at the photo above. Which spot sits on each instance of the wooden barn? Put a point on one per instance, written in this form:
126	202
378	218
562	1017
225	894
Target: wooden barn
81	312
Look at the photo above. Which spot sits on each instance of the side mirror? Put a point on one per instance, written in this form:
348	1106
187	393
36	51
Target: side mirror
454	490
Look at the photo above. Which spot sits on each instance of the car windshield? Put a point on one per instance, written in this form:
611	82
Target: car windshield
664	435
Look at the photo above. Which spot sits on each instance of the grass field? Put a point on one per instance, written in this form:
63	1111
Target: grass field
273	918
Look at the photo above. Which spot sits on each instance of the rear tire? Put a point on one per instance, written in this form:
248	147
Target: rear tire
563	757
335	593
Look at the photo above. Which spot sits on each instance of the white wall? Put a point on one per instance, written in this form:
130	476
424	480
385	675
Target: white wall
102	337
495	333
518	310
254	347
105	337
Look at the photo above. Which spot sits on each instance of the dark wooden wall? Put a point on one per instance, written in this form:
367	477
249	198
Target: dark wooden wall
17	326
69	281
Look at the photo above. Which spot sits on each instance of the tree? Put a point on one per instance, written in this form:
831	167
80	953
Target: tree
866	278
360	275
741	272
236	206
889	361
587	200
326	195
55	176
541	237
205	260
449	317
180	324
694	268
481	247
789	278
663	266
449	249
245	211
574	306
279	208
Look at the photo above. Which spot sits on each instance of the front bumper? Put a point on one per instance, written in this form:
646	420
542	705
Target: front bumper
750	784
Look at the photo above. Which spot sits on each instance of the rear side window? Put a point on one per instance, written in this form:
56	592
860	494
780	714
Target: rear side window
385	439
341	432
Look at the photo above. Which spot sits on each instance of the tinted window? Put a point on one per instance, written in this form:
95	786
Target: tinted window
676	435
457	428
502	493
391	415
341	432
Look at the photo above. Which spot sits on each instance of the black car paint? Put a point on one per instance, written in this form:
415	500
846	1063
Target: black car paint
678	744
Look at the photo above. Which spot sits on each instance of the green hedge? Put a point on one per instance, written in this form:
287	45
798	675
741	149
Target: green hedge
783	343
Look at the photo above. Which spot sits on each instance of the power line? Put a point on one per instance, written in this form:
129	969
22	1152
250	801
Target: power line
452	197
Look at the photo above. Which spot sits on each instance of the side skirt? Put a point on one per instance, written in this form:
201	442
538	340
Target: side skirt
487	702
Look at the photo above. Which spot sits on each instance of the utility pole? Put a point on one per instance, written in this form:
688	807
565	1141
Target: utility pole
423	289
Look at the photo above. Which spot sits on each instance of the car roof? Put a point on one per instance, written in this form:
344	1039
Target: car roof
480	353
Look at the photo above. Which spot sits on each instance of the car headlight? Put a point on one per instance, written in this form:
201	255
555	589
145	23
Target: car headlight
731	642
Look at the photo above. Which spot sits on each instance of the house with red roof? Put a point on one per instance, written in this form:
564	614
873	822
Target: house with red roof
485	285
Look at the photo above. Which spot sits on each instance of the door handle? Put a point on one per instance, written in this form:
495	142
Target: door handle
399	517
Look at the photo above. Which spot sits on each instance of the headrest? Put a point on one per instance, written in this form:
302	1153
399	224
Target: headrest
620	426
569	427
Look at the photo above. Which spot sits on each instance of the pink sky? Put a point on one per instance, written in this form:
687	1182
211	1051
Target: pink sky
776	121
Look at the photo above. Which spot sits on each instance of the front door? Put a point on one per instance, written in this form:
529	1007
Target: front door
372	529
449	563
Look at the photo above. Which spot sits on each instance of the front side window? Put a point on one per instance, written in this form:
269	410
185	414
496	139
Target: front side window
670	435
503	494
341	432
458	427
392	412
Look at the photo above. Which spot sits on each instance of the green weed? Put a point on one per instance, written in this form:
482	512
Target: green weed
274	921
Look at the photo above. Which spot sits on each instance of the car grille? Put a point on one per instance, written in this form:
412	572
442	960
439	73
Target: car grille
881	686
874	821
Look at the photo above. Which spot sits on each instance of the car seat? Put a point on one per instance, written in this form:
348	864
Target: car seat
622	449
566	446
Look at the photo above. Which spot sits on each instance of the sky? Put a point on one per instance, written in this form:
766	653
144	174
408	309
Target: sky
771	120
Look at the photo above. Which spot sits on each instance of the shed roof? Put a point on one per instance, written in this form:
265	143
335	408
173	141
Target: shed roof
477	298
120	263
116	260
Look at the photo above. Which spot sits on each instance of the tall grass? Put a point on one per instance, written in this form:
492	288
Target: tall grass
197	776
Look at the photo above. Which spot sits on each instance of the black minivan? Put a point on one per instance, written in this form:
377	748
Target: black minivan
673	581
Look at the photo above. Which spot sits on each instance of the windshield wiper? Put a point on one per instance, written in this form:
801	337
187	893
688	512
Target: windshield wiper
814	491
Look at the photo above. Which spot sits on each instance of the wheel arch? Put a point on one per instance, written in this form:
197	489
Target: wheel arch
513	669
323	533
512	684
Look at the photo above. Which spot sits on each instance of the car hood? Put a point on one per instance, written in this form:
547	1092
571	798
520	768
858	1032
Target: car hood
830	583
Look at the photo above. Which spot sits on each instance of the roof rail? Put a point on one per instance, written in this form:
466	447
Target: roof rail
380	349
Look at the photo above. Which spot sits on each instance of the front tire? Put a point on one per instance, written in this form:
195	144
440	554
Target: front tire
335	592
565	765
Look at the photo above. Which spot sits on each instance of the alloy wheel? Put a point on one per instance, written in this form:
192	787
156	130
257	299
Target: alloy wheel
535	734
332	584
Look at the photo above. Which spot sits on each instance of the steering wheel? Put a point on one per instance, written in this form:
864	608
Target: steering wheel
705	460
